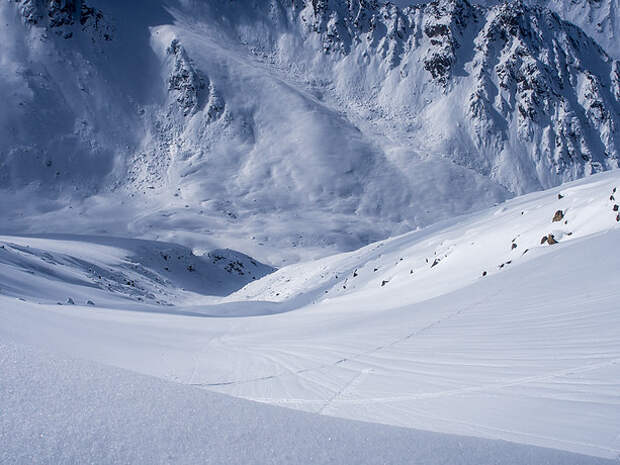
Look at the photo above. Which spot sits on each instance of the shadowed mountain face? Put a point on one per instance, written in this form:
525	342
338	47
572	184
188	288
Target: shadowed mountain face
290	129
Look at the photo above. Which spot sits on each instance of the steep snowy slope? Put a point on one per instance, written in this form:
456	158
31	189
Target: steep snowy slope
600	19
290	129
410	331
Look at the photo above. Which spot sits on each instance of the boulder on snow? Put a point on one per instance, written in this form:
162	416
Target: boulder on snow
549	239
559	216
615	208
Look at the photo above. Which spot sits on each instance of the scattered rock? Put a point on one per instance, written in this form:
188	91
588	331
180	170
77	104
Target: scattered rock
384	282
612	198
559	216
615	208
525	251
543	240
376	269
514	246
70	301
90	302
410	271
551	239
484	273
618	217
435	262
560	196
355	274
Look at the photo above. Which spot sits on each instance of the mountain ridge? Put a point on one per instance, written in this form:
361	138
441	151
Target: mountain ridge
392	110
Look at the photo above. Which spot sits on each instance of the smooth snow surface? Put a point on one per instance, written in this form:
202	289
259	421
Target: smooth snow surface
406	332
60	411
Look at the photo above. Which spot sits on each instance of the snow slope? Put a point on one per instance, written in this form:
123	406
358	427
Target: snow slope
112	270
598	18
288	129
528	353
108	416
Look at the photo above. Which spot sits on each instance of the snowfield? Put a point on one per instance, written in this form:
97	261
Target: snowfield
67	411
408	332
310	231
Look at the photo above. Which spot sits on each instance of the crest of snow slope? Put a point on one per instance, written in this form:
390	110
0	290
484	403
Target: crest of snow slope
451	254
528	353
110	271
289	130
109	416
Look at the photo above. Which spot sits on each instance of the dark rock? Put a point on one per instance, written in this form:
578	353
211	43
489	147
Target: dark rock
551	239
560	196
383	283
484	273
616	207
514	246
559	216
543	240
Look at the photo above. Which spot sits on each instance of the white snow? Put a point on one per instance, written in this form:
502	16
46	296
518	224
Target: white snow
59	410
529	353
247	134
367	151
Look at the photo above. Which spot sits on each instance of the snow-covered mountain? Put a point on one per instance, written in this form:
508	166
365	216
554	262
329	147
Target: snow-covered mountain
502	324
598	18
291	129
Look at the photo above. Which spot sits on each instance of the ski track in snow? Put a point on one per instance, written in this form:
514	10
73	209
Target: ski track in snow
529	353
